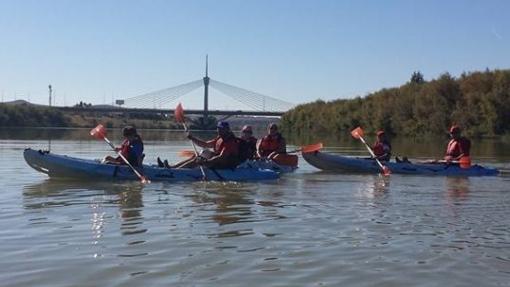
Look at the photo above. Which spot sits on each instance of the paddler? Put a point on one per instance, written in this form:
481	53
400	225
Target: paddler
248	144
131	148
382	147
458	146
224	154
272	144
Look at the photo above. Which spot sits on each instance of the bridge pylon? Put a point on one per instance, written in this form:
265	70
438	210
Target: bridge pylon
206	89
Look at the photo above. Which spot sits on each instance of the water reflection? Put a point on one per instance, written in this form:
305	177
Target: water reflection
229	199
457	187
374	186
97	195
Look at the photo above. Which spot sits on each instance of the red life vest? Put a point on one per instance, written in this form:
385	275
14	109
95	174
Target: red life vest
382	148
228	145
269	144
456	147
125	147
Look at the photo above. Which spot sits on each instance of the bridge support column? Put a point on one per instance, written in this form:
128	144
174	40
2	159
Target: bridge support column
206	90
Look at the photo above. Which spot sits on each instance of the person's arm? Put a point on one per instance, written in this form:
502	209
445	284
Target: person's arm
201	143
217	159
258	151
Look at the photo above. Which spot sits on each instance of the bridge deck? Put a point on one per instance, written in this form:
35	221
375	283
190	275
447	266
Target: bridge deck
159	111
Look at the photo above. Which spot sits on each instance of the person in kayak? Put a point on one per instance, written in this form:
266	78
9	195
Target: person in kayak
225	150
382	147
247	144
272	144
131	148
458	146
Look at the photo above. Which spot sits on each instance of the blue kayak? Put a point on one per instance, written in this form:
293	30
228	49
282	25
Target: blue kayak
334	162
70	167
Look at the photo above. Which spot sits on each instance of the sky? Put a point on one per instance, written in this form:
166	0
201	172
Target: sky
296	51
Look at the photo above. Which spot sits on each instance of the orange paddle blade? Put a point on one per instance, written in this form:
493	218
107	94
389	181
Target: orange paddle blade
357	133
386	171
311	148
179	113
465	162
98	132
186	153
144	180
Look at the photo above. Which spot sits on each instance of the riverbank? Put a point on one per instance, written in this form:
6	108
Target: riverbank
478	101
24	114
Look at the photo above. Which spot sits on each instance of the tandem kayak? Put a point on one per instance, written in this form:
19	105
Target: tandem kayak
63	166
334	162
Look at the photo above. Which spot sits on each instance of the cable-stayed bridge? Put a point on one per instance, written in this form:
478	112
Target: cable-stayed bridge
166	99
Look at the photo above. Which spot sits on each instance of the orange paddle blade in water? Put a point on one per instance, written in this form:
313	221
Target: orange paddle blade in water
311	148
357	133
386	170
179	113
98	132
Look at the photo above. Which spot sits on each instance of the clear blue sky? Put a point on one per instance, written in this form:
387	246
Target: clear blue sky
298	51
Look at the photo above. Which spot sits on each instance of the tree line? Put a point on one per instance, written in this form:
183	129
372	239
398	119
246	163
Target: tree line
31	116
479	102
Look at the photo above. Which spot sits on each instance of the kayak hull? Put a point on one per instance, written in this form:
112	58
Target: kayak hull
334	162
61	166
269	165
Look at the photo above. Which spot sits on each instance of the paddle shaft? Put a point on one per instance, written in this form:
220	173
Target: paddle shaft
371	153
196	151
124	159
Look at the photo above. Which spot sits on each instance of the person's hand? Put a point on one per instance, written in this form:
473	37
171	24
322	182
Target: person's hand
117	149
448	159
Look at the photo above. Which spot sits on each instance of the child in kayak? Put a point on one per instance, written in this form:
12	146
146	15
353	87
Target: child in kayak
131	148
272	144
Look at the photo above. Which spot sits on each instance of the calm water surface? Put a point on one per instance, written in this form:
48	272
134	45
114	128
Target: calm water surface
309	228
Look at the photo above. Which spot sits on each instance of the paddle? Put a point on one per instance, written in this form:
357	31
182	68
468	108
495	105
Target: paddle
358	133
463	162
99	132
179	117
308	148
303	149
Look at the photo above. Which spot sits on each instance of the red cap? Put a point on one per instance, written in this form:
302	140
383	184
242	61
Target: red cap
380	132
454	129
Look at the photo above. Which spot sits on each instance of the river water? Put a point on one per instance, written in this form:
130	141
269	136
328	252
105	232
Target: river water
309	228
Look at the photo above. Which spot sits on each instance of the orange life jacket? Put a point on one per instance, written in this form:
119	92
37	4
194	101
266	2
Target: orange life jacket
228	145
269	144
456	147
